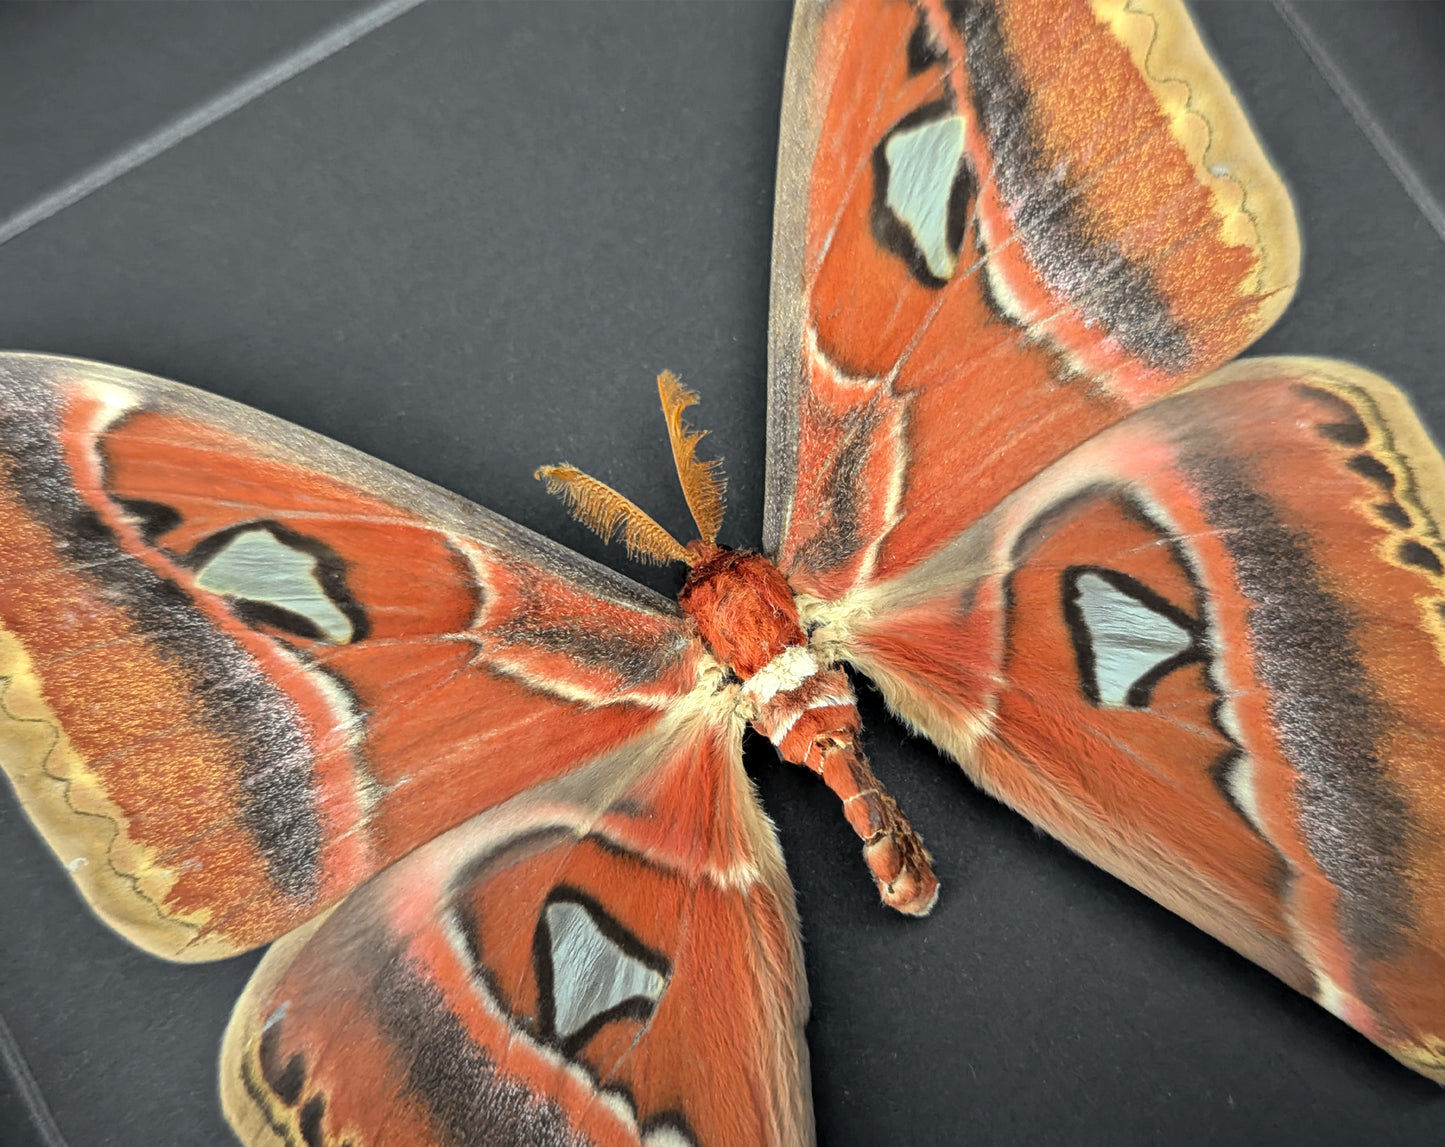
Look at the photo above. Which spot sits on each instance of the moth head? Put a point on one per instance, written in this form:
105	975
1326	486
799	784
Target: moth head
606	512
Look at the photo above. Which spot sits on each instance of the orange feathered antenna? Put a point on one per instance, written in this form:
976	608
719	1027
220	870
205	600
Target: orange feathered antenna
702	483
603	510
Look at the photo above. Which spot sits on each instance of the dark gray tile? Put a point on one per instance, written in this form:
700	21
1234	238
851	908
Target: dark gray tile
80	81
1374	270
1388	55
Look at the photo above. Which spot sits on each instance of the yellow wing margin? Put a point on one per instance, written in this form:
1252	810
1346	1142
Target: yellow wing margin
1209	121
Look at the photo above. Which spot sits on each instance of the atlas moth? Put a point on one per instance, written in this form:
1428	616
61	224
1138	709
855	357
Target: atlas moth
1184	613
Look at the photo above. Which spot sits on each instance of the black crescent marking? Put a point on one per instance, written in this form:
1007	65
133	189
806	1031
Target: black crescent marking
287	1079
923	53
1394	515
154	518
1372	469
1421	556
312	1113
1345	426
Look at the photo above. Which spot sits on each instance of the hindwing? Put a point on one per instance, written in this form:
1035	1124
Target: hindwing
1207	650
550	972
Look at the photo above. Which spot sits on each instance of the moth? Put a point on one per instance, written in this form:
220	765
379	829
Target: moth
1004	507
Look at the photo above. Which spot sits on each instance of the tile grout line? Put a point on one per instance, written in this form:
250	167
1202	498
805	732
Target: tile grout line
1374	130
232	99
13	1062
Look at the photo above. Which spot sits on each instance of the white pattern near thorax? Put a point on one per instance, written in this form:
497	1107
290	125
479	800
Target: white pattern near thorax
782	674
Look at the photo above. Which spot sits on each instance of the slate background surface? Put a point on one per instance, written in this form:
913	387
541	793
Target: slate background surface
465	244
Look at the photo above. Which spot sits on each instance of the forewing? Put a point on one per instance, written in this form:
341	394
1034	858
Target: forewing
1001	225
245	668
1207	651
609	959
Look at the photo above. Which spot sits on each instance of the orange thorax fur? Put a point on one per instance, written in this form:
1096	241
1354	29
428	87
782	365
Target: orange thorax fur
743	607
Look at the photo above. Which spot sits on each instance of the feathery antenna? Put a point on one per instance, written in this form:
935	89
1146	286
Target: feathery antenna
702	483
606	512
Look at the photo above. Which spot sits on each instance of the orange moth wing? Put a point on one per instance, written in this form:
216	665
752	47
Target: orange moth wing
248	670
244	664
943	337
1205	650
1000	227
550	972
